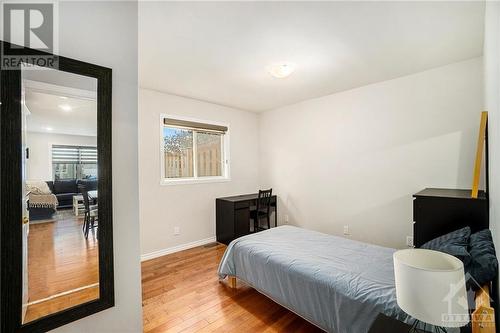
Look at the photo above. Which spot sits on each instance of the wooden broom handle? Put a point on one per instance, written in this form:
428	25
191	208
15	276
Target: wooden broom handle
479	154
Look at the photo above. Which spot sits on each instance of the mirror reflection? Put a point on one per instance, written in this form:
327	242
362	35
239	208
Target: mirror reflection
60	197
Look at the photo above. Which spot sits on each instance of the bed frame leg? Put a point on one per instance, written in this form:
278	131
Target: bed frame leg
232	281
483	318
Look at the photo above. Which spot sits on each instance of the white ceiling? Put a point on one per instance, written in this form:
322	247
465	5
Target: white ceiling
46	115
48	92
219	51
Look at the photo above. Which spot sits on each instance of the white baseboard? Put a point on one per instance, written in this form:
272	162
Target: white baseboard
159	253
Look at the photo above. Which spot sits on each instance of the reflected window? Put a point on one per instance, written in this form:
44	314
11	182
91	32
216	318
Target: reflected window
74	162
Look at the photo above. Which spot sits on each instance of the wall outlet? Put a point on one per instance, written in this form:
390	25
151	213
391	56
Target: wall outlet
409	241
287	219
346	230
177	231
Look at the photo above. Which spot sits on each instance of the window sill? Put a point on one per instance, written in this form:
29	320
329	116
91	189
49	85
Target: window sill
186	181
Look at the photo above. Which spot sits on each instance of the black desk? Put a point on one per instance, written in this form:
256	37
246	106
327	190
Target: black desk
233	216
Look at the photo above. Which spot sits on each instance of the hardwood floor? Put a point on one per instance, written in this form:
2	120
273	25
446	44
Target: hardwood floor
60	259
181	293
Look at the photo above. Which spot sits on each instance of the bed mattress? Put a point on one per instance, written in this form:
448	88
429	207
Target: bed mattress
336	283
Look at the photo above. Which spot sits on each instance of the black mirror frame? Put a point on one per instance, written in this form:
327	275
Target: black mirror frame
10	197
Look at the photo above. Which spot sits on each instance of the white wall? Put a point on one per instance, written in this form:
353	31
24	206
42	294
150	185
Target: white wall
105	33
355	158
492	104
39	165
191	206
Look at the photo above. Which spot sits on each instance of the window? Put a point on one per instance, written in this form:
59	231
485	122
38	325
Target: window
74	162
193	151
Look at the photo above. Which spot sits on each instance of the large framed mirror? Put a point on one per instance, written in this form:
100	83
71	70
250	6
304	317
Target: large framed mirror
56	192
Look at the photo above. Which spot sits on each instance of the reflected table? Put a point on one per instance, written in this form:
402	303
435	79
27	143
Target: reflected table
93	195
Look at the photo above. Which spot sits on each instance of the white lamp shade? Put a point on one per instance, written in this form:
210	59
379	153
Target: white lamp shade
430	287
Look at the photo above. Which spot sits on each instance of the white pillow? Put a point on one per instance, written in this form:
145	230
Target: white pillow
37	187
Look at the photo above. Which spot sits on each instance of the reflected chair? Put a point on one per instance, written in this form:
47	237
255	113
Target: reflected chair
91	212
262	211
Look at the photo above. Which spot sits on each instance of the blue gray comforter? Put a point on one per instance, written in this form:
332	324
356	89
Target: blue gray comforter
336	283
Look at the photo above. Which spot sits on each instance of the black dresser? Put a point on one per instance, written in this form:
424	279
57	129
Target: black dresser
233	216
439	211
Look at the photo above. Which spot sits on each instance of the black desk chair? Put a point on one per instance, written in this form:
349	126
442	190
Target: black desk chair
263	210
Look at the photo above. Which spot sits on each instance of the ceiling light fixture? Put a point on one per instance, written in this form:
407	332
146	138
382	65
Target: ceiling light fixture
65	107
281	70
63	97
48	129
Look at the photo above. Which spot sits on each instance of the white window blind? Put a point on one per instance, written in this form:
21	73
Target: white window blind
74	154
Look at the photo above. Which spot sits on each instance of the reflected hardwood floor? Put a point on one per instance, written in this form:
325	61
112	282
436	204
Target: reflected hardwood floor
60	303
181	293
60	259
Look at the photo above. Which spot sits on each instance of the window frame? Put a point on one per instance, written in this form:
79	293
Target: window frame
226	175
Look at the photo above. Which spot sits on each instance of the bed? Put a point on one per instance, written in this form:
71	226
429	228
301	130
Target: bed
307	272
338	284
